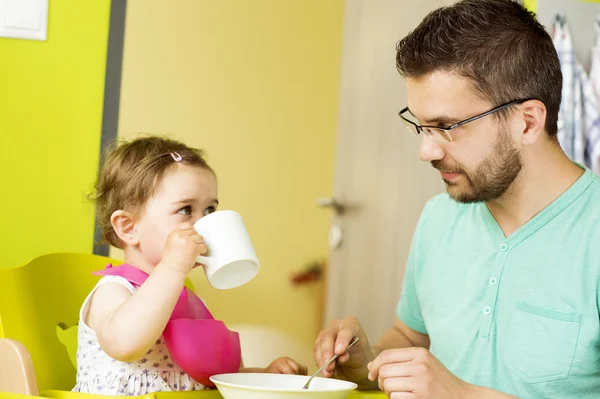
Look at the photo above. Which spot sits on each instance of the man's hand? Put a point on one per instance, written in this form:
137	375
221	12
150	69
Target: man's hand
416	373
352	363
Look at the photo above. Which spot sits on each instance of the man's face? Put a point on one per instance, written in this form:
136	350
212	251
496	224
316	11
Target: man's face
481	162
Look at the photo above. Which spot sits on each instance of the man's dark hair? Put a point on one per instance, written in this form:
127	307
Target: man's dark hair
497	44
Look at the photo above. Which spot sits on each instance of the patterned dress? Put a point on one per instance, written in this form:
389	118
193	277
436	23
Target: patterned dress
98	373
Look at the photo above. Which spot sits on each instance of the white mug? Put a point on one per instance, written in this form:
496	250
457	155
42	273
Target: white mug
231	260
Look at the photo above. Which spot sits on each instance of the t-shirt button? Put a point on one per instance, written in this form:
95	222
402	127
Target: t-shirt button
487	310
503	247
493	281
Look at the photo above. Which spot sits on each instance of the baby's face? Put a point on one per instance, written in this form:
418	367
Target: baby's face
185	194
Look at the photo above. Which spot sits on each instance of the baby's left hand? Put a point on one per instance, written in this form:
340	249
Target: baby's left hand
285	365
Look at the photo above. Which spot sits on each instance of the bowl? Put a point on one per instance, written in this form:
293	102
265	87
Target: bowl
279	386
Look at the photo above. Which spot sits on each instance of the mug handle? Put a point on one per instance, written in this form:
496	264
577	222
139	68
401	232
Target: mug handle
203	259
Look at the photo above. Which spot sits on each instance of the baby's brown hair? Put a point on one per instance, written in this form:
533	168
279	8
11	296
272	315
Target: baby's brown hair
131	172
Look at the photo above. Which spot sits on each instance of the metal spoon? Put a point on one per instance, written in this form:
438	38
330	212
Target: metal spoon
327	363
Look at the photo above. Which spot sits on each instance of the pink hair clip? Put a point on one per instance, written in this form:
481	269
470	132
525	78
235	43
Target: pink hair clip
176	156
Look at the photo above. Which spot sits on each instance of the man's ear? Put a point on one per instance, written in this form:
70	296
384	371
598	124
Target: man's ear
534	116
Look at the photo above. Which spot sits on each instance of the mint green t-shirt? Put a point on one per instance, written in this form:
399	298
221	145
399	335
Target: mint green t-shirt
518	314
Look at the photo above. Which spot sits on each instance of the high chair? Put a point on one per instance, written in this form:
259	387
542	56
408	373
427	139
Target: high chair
16	369
10	395
39	306
36	298
77	395
53	394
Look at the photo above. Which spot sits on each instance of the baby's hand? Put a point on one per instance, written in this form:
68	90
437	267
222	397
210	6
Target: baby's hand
285	365
182	247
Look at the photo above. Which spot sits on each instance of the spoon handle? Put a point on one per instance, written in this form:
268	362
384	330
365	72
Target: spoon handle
328	362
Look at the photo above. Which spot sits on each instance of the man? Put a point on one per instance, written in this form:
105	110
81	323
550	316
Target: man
502	283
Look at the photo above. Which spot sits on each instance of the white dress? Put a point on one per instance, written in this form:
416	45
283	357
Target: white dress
98	373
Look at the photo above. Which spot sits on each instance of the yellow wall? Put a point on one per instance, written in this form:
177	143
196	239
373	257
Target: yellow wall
255	83
532	4
50	120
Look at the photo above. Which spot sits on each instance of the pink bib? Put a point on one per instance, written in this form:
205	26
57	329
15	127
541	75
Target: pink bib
199	344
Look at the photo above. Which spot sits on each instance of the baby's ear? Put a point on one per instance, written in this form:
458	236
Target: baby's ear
124	225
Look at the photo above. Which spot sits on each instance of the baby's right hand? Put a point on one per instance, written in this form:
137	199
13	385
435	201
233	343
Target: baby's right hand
182	247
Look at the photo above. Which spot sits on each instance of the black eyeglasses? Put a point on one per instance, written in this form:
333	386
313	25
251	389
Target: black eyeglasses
442	134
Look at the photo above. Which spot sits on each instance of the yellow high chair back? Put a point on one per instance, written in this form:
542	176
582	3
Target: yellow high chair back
39	296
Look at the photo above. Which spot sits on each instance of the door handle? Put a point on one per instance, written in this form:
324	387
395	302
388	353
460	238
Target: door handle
331	202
